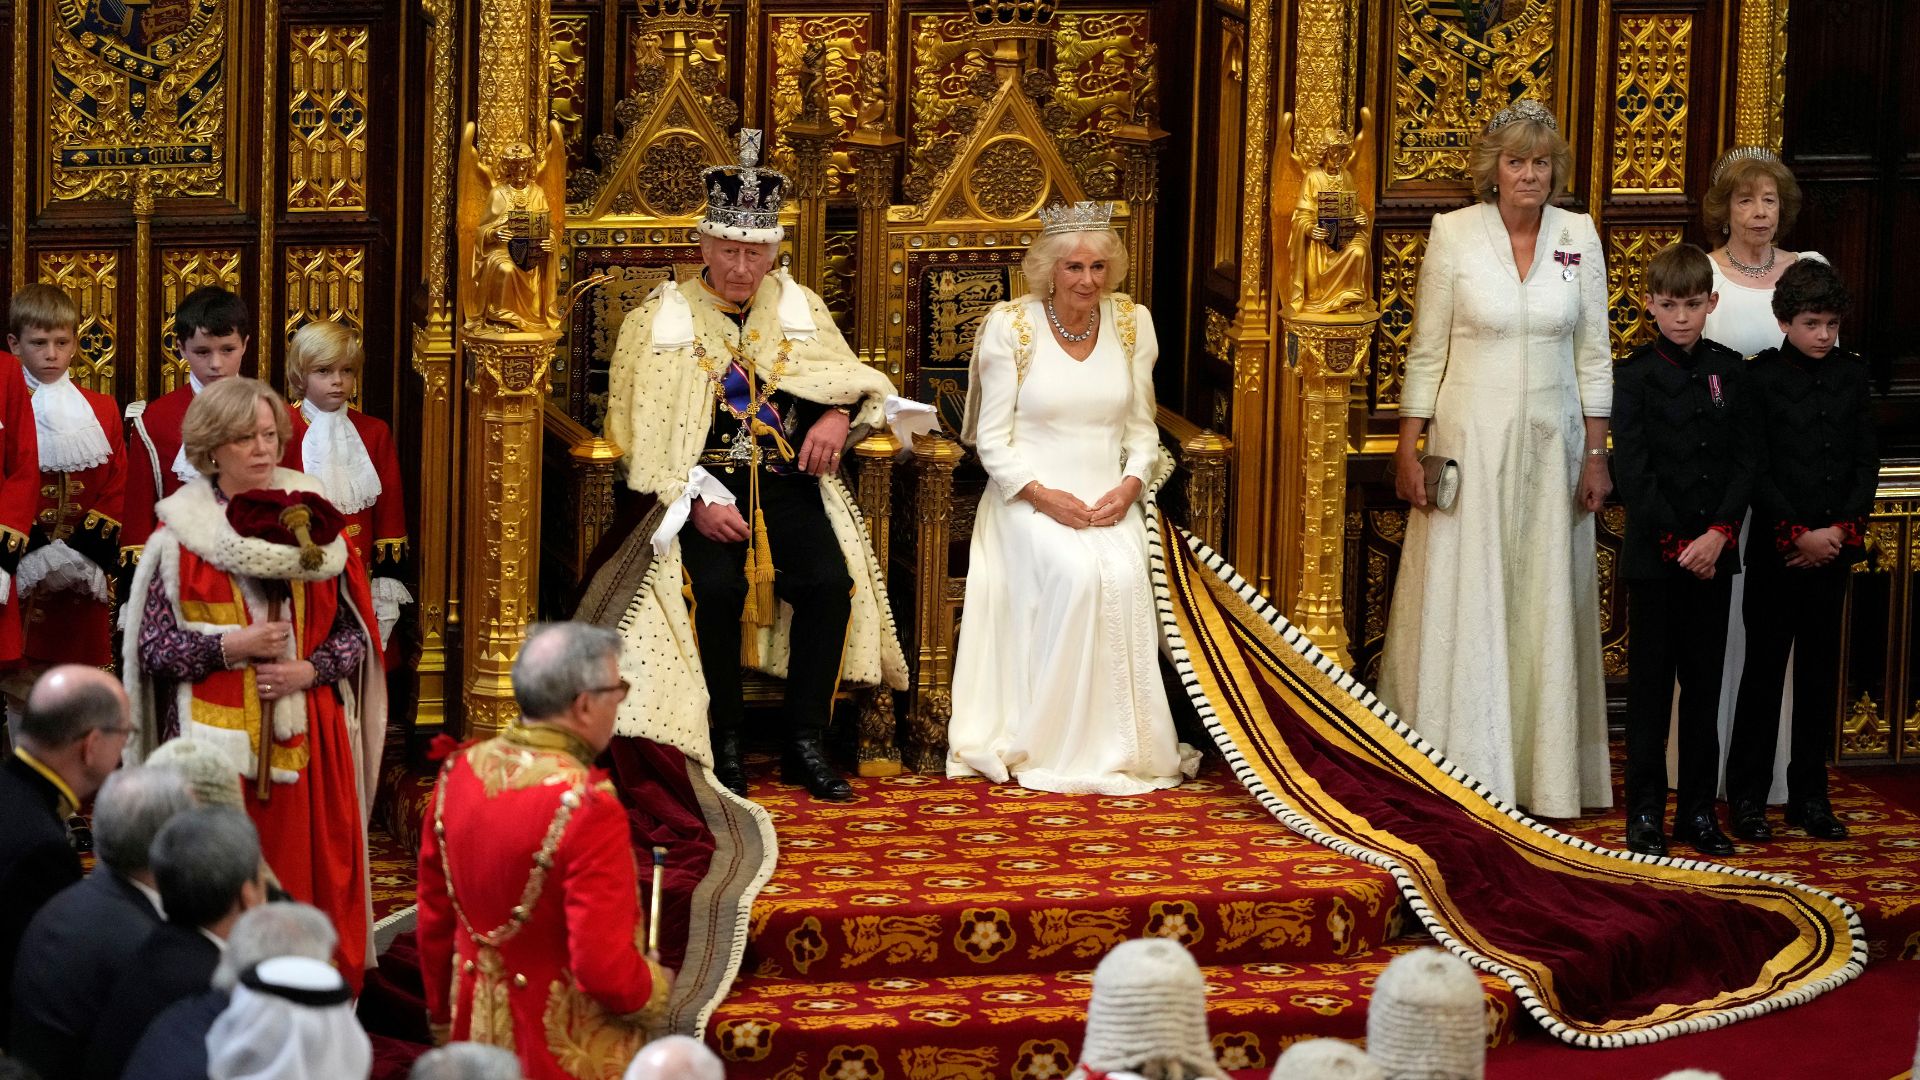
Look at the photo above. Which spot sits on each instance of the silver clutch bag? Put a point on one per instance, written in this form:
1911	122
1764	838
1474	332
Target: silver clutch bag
1442	477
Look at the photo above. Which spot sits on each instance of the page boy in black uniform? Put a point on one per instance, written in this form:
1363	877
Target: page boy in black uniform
1683	449
1811	497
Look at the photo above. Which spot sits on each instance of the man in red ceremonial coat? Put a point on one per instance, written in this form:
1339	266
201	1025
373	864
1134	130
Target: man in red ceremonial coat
530	923
73	549
211	324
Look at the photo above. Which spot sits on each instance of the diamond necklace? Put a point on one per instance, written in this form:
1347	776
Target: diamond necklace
1754	271
1093	321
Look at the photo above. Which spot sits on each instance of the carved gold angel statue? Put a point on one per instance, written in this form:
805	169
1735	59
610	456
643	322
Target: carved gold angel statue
1327	243
508	230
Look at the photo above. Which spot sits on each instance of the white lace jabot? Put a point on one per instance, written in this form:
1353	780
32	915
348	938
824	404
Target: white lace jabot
69	433
333	453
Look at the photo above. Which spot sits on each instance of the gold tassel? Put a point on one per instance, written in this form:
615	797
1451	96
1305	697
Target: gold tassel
758	611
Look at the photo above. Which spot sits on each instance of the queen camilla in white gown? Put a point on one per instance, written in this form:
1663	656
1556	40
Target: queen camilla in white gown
1057	684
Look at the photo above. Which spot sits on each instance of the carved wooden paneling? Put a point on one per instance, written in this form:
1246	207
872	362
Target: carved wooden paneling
1629	249
1400	253
844	38
92	278
183	270
1455	66
327	101
1652	69
325	282
1098	58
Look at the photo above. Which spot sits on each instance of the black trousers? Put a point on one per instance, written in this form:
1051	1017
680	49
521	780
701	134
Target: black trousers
809	573
1677	626
1798	611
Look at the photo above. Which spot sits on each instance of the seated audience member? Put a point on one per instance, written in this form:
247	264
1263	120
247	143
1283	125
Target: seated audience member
206	862
1148	1015
175	1045
675	1057
1428	1017
524	832
83	938
1325	1059
291	1018
70	741
466	1061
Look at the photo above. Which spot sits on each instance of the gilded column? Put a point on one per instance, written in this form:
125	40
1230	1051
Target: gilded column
1255	405
1760	74
1139	145
876	153
812	144
142	277
878	748
935	458
433	360
1206	457
512	199
1321	254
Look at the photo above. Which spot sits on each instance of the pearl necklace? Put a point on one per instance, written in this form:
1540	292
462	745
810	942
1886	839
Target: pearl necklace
1754	271
1093	323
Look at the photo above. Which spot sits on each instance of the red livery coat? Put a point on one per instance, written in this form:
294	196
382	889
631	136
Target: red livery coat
84	509
19	493
154	440
377	532
566	985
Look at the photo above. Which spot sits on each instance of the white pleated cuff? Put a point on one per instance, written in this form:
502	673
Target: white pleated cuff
673	323
58	568
910	420
700	485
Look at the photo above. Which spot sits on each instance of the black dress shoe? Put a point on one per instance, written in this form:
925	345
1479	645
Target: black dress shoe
1750	823
1643	835
806	763
1703	832
727	766
1816	818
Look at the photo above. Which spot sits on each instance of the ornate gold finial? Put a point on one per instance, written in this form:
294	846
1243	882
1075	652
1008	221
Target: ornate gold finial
1741	153
1524	109
686	16
1077	217
995	19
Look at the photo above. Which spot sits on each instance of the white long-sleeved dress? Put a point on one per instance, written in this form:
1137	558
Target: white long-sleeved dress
1493	640
1057	683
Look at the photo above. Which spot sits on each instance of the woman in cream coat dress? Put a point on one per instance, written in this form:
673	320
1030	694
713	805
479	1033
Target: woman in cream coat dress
1057	682
1493	641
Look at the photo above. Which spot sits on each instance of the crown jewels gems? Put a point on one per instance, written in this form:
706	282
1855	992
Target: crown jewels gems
1077	217
1741	153
743	201
1523	109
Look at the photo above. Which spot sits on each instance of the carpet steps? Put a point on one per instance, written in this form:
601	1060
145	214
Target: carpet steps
1027	1026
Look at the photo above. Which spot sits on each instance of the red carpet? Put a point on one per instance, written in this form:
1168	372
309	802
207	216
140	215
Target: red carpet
942	929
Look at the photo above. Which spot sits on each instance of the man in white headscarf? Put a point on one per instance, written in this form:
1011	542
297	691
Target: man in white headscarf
291	1018
734	399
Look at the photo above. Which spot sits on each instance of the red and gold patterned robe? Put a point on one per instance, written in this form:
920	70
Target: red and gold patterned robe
84	509
522	823
19	493
154	440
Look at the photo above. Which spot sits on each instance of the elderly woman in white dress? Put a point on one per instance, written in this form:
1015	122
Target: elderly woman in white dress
1493	641
1057	682
1750	203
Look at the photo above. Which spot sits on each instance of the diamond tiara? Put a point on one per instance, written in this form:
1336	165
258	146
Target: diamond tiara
1078	217
1740	153
1524	109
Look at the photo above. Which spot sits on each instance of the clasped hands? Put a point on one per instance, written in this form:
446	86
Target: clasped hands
265	644
819	455
1067	509
1816	547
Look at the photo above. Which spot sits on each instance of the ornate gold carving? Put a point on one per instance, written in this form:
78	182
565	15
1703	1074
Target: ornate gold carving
838	280
92	278
1910	731
1882	543
327	118
326	282
669	180
183	270
1760	74
133	89
1400	253
512	92
1007	181
1255	411
877	751
1101	62
935	459
1218	346
1455	71
508	232
569	48
433	359
835	82
1864	733
1327	241
269	77
17	206
1653	62
1331	350
1207	457
944	66
1629	249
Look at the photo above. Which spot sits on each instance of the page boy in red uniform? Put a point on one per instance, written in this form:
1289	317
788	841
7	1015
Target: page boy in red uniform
73	547
211	324
353	457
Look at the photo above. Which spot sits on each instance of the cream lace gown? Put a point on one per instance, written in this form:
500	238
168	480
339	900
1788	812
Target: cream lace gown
1493	639
1057	682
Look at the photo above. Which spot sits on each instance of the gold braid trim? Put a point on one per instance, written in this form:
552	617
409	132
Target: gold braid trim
14	539
570	800
390	550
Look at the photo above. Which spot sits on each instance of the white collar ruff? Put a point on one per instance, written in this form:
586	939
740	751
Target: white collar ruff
69	432
333	453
